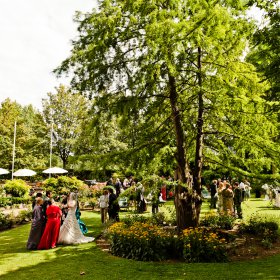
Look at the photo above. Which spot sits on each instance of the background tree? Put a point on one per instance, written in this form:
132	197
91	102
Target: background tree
31	141
66	111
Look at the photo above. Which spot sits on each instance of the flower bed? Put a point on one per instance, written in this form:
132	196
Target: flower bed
203	245
139	241
148	242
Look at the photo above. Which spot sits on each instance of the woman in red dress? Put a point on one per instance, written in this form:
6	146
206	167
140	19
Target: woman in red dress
51	232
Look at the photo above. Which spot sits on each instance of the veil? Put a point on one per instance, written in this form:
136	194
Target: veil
72	201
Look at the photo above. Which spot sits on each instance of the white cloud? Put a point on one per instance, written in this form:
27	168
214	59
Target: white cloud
35	38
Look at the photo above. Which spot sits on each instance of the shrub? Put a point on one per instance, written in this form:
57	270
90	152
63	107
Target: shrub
20	200
156	219
216	221
5	201
24	216
50	184
203	245
5	223
260	226
131	219
16	188
64	185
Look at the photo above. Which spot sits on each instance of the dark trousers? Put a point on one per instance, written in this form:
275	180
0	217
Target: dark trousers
237	209
213	202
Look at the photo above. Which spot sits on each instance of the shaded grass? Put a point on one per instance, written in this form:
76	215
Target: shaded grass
66	262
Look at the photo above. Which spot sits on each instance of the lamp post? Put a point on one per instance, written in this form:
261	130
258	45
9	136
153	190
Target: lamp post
14	150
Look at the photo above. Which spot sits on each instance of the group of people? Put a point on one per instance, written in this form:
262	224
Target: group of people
51	225
227	198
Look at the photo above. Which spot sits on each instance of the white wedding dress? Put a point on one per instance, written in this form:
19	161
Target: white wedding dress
70	232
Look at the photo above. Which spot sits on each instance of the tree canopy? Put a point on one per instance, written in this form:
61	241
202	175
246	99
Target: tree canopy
174	72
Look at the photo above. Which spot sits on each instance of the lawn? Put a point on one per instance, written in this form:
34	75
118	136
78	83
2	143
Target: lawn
69	261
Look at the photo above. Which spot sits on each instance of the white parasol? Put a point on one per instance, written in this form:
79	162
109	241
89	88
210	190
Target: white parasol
55	170
3	171
24	172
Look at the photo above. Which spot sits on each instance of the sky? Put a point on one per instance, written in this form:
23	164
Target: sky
35	38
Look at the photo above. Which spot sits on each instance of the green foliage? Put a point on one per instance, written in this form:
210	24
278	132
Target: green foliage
65	185
16	188
218	221
9	201
260	226
50	184
31	145
66	111
4	222
7	221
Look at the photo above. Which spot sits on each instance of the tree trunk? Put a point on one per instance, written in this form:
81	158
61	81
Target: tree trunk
180	139
64	157
199	142
184	200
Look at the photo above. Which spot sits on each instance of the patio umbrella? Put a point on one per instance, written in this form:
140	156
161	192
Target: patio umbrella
3	171
24	172
55	170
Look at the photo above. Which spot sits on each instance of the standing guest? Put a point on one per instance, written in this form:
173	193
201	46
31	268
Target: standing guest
45	205
170	179
51	232
110	182
163	192
78	214
125	183
36	225
155	200
35	199
103	205
247	188
64	208
118	186
140	199
220	197
131	181
237	199
242	187
227	194
113	206
213	193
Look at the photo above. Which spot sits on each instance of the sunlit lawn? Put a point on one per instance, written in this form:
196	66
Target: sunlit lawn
67	262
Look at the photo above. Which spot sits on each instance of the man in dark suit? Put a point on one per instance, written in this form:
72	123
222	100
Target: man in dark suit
213	192
114	208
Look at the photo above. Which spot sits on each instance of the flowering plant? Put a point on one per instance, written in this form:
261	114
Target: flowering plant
203	245
140	241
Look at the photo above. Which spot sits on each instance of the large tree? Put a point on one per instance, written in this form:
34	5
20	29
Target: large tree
64	111
175	66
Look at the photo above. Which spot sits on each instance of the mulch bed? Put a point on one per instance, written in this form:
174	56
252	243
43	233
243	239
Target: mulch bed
253	249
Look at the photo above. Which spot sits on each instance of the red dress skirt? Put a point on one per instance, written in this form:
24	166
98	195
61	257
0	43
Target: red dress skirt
51	232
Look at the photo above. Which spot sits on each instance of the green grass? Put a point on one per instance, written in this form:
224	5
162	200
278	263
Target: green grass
66	262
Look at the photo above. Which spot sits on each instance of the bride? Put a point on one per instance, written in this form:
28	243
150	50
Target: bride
70	232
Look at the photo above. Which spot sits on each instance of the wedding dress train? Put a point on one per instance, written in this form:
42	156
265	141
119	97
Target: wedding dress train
70	232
